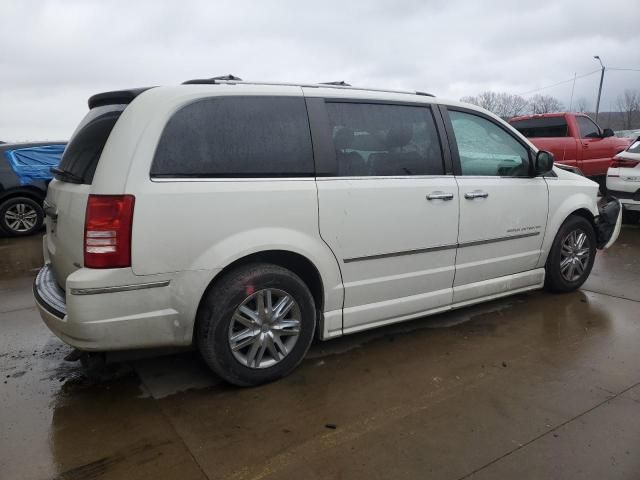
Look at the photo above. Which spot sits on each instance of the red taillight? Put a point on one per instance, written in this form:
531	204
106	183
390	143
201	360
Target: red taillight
107	231
624	163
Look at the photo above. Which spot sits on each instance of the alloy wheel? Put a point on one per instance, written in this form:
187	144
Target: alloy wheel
264	328
574	255
20	217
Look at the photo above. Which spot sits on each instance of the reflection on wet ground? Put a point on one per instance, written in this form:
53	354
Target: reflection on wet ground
533	386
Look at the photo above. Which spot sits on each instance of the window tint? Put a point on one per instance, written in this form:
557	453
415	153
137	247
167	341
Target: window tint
542	127
384	140
81	156
588	129
634	147
237	137
487	149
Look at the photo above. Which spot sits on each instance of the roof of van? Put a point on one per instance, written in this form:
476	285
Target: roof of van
204	87
127	96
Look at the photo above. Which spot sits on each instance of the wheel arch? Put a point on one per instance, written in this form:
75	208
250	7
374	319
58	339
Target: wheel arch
33	193
295	262
582	205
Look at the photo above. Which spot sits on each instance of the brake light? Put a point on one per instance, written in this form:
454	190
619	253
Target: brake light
107	231
624	163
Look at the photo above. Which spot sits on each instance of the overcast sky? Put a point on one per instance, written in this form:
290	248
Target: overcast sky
55	54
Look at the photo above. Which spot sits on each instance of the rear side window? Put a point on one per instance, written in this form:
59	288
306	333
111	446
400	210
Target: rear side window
236	137
83	151
542	127
384	140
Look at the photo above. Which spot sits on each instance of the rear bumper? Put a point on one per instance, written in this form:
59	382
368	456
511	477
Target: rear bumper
630	200
110	319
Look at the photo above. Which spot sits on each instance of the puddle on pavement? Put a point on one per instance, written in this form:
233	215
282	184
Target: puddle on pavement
136	418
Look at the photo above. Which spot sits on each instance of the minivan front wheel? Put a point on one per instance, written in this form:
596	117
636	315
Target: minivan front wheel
256	324
20	216
572	255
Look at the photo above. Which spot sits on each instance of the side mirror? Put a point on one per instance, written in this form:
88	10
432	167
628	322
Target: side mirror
607	132
543	162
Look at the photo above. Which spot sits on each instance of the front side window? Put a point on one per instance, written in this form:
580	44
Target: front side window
384	140
588	129
486	149
236	137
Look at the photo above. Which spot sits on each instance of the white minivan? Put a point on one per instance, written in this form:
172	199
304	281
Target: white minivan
246	218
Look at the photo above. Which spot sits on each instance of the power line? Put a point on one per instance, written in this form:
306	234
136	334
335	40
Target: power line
625	69
560	83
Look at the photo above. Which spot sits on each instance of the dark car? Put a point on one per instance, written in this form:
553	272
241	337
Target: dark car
25	172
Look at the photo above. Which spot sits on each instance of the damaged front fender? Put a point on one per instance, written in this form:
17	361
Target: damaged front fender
608	222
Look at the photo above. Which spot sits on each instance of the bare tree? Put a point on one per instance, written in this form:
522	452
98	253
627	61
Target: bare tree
629	105
545	104
582	105
503	104
487	100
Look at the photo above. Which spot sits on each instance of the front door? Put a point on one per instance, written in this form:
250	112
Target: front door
390	213
503	210
597	152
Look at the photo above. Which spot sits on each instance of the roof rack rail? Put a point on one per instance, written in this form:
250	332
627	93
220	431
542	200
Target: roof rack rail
233	80
338	83
213	80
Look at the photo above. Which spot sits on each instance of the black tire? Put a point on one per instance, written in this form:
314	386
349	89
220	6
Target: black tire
630	217
9	206
214	319
555	281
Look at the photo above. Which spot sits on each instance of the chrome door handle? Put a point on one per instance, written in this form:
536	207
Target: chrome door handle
440	196
475	194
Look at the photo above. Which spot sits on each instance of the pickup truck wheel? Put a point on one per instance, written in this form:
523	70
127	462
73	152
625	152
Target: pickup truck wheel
20	216
571	257
256	324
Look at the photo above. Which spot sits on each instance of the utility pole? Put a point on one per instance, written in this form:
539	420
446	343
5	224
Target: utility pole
599	88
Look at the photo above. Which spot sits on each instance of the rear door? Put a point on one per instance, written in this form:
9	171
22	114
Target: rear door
388	207
503	210
67	194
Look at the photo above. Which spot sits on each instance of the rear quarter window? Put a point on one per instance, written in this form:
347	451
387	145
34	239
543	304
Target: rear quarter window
81	156
252	136
542	127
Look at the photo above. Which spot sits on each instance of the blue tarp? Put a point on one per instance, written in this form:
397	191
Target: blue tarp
34	163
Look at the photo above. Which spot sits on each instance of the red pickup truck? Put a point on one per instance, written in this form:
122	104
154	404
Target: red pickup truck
574	139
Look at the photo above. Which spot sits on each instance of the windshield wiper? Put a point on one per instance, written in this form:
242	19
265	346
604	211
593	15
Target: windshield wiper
67	175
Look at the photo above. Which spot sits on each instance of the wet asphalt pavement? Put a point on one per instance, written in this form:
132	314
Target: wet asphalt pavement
533	386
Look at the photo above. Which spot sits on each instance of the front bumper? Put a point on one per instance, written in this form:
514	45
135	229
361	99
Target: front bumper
609	221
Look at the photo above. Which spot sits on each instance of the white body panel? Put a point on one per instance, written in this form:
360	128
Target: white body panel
626	180
500	234
383	251
396	248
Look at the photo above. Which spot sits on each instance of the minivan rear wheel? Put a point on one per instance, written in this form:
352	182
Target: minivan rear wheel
256	324
20	216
